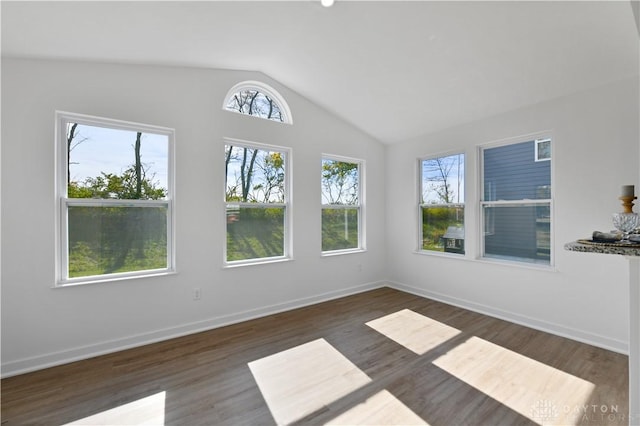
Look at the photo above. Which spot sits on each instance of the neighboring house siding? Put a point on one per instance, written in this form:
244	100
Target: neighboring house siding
511	173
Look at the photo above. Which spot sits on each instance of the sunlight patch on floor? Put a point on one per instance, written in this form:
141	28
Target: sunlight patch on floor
304	379
537	391
381	408
414	331
144	411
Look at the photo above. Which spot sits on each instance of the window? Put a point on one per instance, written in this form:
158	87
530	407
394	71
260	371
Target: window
543	149
442	204
516	203
256	203
258	100
115	198
341	205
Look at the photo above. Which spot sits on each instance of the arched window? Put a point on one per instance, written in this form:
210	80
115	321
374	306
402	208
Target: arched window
258	100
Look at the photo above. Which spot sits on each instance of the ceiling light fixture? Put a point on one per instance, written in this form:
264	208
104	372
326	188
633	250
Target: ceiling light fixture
327	3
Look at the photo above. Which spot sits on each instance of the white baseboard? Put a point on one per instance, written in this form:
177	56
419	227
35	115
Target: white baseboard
537	324
27	365
40	362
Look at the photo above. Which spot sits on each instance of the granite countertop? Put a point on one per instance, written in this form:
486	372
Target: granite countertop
604	248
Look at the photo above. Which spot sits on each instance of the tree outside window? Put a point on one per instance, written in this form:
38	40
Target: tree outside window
442	204
115	200
257	99
256	200
256	103
341	205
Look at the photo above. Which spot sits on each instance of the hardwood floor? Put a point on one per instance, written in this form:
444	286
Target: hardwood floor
382	356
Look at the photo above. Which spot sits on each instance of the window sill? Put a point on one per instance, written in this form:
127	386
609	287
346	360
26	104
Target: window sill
441	254
75	282
253	262
342	252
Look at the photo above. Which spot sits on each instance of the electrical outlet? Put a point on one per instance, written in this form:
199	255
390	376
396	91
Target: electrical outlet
197	293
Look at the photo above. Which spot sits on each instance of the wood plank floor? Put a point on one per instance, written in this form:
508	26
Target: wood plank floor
382	357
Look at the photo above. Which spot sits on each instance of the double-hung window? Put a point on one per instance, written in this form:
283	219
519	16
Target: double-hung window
516	202
114	192
441	204
342	215
256	203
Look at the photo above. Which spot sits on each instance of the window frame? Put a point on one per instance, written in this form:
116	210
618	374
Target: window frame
485	229
422	205
62	204
286	205
265	89
360	207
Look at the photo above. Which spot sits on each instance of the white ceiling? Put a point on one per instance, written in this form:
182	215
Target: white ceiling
395	69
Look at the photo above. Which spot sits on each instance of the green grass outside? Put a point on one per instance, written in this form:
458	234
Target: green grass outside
436	221
85	260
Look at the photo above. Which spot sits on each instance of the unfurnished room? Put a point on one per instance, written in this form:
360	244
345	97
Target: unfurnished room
320	212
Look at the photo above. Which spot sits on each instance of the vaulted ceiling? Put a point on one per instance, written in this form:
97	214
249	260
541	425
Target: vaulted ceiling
395	69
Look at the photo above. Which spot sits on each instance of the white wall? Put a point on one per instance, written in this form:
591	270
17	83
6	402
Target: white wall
595	151
44	326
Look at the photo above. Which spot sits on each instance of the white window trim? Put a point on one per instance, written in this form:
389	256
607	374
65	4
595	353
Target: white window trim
419	249
287	205
360	206
62	202
287	118
538	136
